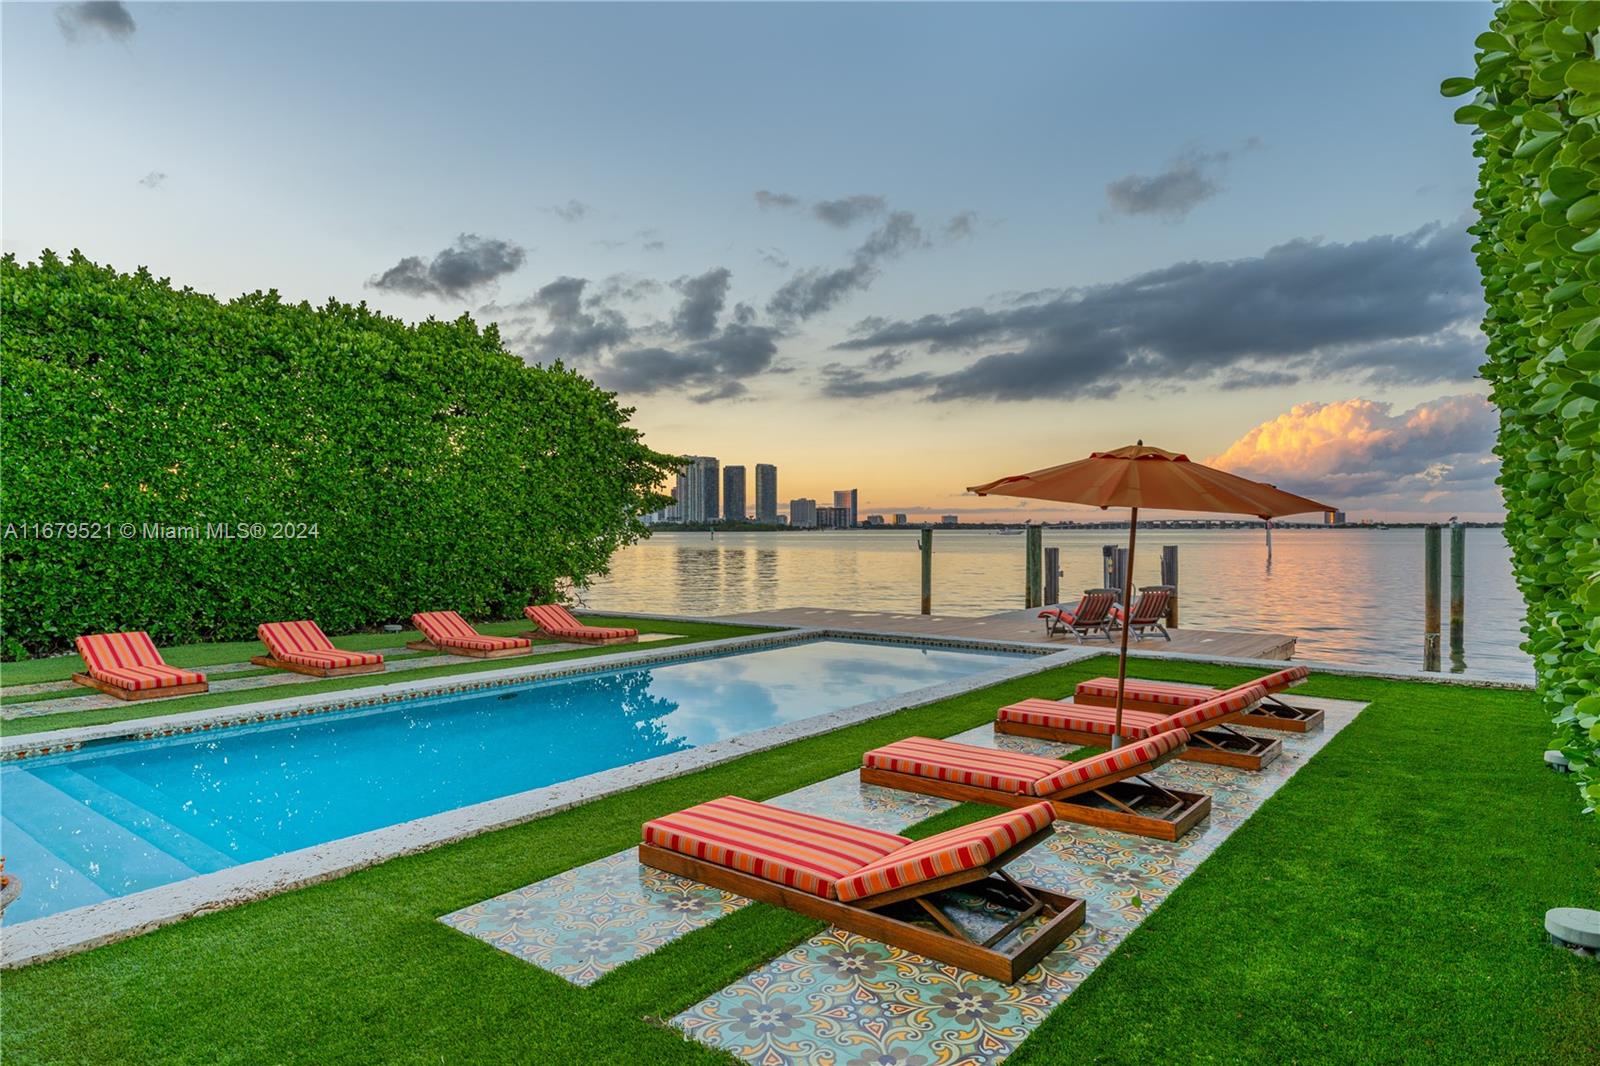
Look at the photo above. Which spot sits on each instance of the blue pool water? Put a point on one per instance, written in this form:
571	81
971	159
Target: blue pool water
114	819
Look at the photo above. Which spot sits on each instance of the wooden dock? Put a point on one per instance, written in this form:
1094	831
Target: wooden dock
1022	625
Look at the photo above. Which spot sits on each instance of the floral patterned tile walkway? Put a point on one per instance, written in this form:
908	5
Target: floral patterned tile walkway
843	1000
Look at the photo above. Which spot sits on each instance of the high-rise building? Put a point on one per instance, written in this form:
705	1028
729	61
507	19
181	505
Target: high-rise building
847	498
899	519
1333	518
712	505
733	494
766	493
697	491
803	514
833	518
949	519
874	519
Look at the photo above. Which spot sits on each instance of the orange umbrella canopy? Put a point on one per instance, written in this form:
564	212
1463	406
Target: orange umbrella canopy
1141	476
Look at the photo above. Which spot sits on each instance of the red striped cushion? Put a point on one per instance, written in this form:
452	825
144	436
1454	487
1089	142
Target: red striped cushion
305	642
557	621
1139	753
130	660
802	851
1223	705
448	629
945	760
950	852
1285	678
139	678
1166	693
1054	714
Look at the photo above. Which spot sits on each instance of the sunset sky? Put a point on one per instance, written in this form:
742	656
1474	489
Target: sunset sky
902	248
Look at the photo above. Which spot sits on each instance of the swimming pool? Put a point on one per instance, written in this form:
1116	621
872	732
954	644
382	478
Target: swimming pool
112	819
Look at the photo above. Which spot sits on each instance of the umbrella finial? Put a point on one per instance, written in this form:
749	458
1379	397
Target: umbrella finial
1141	442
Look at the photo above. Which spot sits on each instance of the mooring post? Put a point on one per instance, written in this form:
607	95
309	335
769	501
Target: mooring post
1033	541
1431	575
1458	595
1169	576
1052	575
1119	570
1108	566
927	571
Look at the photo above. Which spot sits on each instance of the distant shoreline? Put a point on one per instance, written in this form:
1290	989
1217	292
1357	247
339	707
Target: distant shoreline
994	527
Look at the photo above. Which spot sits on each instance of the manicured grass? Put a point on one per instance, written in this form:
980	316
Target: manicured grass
1385	905
687	632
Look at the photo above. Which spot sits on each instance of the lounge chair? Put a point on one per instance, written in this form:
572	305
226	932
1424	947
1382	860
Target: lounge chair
448	632
1149	612
554	620
1092	615
873	883
127	666
1107	790
1211	740
1168	696
304	648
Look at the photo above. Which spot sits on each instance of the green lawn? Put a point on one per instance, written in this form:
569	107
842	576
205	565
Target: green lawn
1385	905
210	654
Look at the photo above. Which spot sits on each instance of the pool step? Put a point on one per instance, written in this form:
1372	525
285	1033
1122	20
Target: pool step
220	835
48	883
114	804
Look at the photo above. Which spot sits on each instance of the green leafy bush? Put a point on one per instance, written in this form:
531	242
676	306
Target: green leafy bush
436	469
1536	102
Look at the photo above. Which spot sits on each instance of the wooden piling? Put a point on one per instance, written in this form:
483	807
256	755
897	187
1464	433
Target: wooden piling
1431	575
927	571
1169	576
1052	575
1458	592
1033	545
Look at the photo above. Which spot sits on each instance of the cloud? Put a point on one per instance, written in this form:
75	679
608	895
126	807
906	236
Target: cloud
773	257
153	179
1354	452
813	291
766	199
703	300
469	264
1257	379
961	226
1387	309
576	330
96	18
848	210
571	211
628	287
1187	181
717	366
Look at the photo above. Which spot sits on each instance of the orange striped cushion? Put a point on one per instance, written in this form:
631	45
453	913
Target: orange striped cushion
1285	678
1166	693
1054	714
1223	705
945	760
305	642
130	660
950	852
448	629
1139	753
557	621
803	851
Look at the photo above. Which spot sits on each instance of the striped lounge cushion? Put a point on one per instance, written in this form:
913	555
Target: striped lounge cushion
964	764
305	642
802	851
448	629
1223	705
1108	764
1054	714
950	852
130	660
1285	678
1166	693
557	621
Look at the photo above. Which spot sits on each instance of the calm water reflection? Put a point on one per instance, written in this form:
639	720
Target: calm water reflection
1349	595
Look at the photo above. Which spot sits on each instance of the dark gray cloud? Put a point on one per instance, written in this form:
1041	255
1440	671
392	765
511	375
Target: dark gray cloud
469	264
576	329
96	18
773	257
654	246
703	300
1386	309
813	291
765	198
571	211
717	367
1191	179
153	179
1238	380
846	211
626	287
961	226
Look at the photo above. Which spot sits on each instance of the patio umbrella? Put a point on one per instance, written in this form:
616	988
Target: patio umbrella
1140	476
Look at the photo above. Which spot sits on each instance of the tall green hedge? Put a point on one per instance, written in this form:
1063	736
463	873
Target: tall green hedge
436	469
1536	103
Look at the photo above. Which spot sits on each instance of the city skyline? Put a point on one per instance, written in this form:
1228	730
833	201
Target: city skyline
912	283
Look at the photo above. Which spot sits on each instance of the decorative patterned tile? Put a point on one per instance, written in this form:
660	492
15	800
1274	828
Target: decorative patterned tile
586	922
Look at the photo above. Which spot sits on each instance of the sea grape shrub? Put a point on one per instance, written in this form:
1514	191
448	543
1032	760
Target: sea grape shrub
1535	100
386	468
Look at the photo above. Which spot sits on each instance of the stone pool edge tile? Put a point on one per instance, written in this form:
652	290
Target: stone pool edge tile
82	928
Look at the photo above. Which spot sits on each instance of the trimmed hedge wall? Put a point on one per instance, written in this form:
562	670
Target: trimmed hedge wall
435	469
1536	103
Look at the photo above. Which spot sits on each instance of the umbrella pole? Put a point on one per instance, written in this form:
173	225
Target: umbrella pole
1127	615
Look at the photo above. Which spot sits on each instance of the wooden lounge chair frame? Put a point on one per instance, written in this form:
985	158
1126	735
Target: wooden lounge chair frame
473	653
948	942
1218	743
1149	612
1125	799
140	693
1100	622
